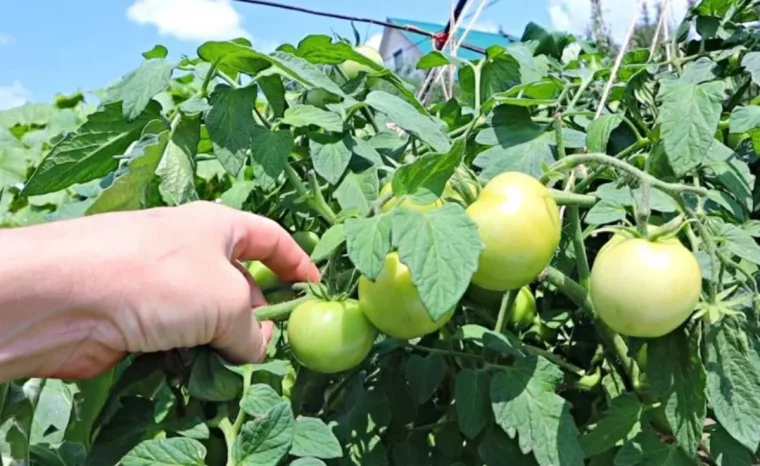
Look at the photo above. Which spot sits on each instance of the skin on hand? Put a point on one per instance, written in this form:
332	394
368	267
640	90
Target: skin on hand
76	296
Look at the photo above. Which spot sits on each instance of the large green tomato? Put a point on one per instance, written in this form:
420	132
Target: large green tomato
522	313
393	304
734	139
330	336
645	289
518	222
352	69
393	202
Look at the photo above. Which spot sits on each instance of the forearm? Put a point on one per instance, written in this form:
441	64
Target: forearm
44	306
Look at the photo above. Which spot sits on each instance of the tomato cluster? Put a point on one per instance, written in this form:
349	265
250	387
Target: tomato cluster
519	224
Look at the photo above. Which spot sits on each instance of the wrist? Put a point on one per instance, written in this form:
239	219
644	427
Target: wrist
44	305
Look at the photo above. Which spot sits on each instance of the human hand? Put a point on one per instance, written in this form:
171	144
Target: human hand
140	281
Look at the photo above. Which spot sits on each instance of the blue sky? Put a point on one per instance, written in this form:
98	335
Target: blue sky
52	46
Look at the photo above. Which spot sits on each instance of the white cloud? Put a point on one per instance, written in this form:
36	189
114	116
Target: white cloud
6	39
190	19
575	15
374	40
13	96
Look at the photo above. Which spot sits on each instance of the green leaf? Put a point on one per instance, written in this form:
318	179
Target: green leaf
689	115
699	71
365	150
308	462
741	243
726	451
599	131
158	51
426	177
141	85
497	449
410	119
424	375
265	440
51	415
621	422
331	240
210	380
733	375
472	403
331	158
259	399
301	116
89	398
130	191
519	144
90	152
744	118
274	91
368	241
13	165
229	123
177	166
175	451
313	438
605	211
647	450
441	247
271	149
678	379
751	62
238	193
358	191
435	59
525	405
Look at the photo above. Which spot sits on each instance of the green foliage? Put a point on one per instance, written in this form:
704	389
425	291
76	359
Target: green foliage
675	147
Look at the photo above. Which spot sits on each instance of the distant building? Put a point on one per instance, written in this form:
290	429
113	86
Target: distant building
402	49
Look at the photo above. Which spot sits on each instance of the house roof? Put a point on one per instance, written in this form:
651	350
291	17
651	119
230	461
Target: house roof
477	38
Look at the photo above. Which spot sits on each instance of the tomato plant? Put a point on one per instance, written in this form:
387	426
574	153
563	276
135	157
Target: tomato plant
330	336
615	207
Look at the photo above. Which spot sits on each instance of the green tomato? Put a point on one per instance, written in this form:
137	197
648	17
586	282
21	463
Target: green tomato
518	222
734	139
352	69
319	97
522	313
264	276
645	289
394	202
307	240
393	304
330	336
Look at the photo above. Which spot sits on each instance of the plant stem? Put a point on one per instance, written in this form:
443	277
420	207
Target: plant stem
673	189
507	303
579	248
312	198
442	352
279	311
556	359
477	74
573	199
610	339
320	204
207	80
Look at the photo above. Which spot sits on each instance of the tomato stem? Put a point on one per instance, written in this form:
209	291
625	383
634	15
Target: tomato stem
507	303
674	189
279	311
584	273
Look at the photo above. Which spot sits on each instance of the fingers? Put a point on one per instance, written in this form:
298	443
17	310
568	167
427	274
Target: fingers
259	238
243	339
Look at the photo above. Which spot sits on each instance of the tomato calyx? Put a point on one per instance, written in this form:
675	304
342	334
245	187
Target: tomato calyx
712	312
